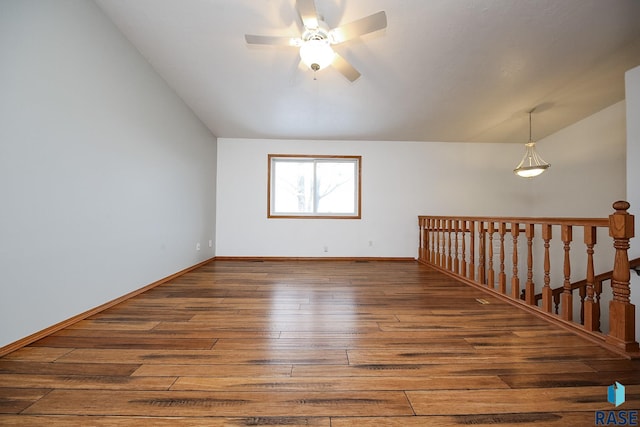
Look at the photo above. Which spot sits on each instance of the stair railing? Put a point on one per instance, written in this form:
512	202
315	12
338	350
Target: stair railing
486	251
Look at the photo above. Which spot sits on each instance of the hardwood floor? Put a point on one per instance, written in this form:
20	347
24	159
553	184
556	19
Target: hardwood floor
324	343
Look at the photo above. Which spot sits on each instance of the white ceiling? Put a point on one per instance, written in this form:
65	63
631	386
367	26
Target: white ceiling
443	70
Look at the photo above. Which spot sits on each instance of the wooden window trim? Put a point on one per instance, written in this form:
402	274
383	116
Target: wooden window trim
323	157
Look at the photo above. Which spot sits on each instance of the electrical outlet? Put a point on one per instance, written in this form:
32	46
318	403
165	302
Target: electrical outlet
198	246
210	243
370	242
326	248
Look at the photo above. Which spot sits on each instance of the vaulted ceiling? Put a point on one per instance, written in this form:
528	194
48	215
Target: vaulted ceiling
442	70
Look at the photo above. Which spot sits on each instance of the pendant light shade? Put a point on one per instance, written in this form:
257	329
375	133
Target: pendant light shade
531	164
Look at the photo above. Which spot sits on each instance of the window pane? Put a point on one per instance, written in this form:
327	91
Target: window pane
293	186
314	186
335	187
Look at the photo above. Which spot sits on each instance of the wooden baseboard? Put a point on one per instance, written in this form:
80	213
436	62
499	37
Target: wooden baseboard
570	326
68	322
287	259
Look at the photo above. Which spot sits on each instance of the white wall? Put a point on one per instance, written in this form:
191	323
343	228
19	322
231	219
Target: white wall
107	180
586	176
400	180
587	172
632	88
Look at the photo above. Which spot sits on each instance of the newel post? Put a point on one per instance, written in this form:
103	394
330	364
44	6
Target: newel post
621	311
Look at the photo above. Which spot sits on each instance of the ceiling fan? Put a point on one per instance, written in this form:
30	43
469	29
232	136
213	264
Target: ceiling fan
317	38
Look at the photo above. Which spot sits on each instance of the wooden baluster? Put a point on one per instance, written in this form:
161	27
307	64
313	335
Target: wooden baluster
547	293
589	306
491	273
427	240
502	277
456	260
597	291
445	225
463	265
567	297
530	288
582	292
621	311
434	238
441	262
482	270
436	259
421	251
449	245
515	280
472	250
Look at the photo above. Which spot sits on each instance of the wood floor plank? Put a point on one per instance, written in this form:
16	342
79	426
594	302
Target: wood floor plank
523	342
125	342
614	365
498	355
425	334
37	354
320	343
435	323
226	357
508	401
551	353
15	400
226	404
42	368
559	419
419	356
183	333
341	342
330	383
212	370
544	380
96	382
145	421
125	325
272	325
443	368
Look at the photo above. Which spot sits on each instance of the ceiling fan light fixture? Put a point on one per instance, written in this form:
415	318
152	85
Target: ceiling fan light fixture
531	164
317	38
317	54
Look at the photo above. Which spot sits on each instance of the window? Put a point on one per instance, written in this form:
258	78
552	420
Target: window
314	186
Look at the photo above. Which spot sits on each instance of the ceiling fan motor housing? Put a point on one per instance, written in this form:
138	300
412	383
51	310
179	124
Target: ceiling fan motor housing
316	51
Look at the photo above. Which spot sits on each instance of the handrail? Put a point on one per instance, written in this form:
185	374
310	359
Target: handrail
474	249
599	278
599	222
582	283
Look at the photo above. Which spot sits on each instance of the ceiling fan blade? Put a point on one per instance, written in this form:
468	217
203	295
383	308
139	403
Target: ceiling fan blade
308	14
368	24
271	40
346	69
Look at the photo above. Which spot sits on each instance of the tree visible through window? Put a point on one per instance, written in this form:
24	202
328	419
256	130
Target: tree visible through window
314	186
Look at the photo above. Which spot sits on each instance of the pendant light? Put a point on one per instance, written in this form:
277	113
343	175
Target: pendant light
531	164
